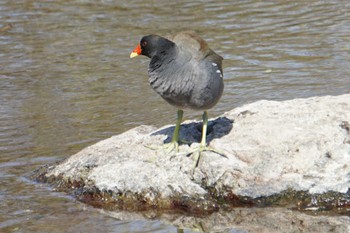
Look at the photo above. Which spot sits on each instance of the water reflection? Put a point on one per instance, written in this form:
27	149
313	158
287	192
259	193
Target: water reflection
66	80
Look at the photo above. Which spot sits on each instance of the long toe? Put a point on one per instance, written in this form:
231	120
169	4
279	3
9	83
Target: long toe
207	148
197	153
171	147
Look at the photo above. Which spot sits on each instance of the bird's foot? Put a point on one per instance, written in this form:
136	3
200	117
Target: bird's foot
198	151
167	148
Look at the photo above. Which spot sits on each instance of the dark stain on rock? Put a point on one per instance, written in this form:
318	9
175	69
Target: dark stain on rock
345	125
246	113
85	191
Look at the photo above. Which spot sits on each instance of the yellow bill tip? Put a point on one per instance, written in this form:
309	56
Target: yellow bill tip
133	54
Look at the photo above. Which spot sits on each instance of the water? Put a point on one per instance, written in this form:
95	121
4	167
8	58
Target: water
66	81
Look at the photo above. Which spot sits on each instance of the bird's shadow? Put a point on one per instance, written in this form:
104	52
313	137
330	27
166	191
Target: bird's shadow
192	132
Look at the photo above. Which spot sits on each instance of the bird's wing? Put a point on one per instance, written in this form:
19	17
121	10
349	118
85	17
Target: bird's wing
198	49
191	42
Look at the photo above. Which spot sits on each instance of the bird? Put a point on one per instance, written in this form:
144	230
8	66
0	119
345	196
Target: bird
186	73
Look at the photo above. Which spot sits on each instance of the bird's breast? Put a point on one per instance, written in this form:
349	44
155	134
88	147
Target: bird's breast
191	84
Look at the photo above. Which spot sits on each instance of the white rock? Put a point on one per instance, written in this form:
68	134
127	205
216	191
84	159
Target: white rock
302	144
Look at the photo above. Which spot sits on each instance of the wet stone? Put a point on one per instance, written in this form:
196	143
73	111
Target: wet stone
291	154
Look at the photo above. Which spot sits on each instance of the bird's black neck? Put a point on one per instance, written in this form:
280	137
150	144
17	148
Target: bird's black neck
165	53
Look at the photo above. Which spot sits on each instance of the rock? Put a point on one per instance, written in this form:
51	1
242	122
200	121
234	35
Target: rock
252	220
294	153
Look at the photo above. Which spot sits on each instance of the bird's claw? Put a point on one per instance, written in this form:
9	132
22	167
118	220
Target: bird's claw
198	151
167	148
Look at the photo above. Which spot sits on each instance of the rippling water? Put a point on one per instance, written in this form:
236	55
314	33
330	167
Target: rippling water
66	81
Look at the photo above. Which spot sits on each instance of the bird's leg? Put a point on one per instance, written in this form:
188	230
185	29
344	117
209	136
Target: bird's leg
197	153
204	129
174	144
203	146
175	138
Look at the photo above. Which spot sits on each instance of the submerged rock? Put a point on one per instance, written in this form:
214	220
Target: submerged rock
292	153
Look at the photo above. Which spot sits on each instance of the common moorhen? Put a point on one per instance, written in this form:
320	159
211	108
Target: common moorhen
185	72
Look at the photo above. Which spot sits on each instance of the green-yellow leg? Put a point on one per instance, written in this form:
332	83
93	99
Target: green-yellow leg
203	145
204	129
175	138
174	144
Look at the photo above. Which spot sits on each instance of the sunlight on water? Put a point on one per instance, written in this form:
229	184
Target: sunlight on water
66	81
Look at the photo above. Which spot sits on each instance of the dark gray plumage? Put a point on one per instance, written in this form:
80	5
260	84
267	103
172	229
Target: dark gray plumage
186	73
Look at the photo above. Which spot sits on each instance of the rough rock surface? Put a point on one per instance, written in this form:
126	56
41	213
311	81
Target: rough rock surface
269	147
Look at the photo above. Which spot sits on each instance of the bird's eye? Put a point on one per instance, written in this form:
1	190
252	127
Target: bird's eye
144	43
